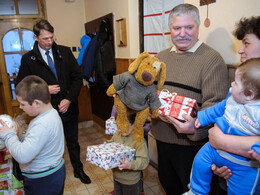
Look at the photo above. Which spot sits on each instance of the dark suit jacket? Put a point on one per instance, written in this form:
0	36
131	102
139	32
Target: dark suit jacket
68	71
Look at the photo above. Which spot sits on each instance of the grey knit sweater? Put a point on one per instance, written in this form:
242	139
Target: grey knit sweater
201	75
135	95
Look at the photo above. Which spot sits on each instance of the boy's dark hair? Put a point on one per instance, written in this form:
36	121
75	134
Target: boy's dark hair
250	77
247	26
130	116
42	25
33	88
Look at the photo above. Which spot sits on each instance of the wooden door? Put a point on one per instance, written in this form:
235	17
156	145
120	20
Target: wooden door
16	38
13	45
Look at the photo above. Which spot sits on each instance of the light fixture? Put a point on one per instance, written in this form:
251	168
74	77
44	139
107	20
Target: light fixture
69	1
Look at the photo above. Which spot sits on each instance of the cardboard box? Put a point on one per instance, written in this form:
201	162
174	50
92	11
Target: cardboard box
111	127
175	105
107	155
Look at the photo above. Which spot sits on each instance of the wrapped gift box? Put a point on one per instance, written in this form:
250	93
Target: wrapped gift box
6	183
6	165
17	186
111	127
107	155
175	105
6	168
10	185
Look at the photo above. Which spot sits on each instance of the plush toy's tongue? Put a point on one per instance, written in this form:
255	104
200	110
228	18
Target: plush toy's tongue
146	76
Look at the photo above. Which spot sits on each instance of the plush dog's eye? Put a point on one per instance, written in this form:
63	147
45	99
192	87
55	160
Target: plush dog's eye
148	63
157	66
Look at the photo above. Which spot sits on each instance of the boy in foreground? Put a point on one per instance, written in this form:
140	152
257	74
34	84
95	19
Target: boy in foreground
39	153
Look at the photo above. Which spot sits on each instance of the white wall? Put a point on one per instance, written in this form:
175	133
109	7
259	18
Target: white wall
133	28
68	21
223	16
121	9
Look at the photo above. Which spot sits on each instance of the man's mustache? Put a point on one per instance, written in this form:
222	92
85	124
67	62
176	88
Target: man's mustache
182	38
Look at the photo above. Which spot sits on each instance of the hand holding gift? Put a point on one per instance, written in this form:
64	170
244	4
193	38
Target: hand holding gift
186	127
124	164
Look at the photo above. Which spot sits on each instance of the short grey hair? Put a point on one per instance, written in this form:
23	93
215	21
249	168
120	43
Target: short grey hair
184	9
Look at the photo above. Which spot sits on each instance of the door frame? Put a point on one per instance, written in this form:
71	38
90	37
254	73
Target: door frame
8	23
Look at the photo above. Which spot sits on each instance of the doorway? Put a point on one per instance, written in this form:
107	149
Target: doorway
16	22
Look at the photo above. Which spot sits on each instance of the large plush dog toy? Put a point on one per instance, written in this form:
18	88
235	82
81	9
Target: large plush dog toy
135	90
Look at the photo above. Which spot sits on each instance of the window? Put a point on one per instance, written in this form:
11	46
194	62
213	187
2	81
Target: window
17	18
15	43
21	8
7	7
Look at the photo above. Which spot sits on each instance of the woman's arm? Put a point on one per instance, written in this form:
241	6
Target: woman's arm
239	145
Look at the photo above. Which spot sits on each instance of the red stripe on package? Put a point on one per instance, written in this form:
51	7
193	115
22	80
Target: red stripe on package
175	105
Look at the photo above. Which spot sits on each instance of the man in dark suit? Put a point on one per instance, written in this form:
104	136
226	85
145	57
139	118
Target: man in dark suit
58	67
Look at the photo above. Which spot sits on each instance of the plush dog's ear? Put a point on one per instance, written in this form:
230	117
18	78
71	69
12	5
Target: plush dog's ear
162	76
135	64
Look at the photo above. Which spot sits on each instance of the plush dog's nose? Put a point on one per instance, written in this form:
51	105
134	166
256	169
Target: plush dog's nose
146	76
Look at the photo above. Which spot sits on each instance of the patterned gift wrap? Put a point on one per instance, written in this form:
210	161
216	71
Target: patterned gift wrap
107	155
111	127
10	185
6	177
175	105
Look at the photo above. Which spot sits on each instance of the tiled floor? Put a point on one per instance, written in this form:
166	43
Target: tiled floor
102	180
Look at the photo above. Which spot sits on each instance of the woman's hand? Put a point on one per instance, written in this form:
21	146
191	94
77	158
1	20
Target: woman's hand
254	155
216	137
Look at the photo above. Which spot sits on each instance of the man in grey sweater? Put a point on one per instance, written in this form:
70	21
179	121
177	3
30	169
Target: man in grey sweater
194	70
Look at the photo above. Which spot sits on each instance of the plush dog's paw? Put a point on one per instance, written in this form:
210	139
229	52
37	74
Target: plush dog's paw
155	113
122	124
138	133
111	90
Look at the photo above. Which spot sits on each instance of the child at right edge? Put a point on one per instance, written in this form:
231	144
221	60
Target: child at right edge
238	114
127	175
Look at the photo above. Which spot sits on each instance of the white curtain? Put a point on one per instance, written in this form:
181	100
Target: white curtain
156	28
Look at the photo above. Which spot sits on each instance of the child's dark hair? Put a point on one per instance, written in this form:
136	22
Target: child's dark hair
250	77
33	88
130	116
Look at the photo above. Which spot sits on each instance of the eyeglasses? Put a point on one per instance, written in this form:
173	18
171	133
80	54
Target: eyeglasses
53	38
